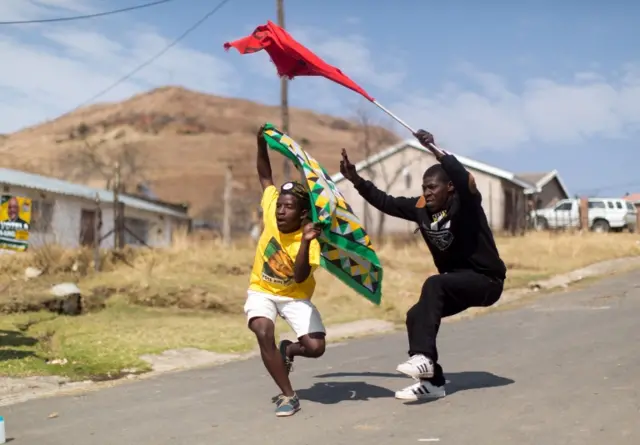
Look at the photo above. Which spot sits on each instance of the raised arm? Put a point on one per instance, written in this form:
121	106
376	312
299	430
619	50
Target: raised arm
306	260
263	164
460	177
404	208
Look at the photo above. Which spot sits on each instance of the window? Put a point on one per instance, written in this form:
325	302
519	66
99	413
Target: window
41	216
630	207
596	205
139	228
619	205
407	177
564	206
609	204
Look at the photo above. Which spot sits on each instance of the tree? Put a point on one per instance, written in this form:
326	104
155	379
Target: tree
373	136
96	161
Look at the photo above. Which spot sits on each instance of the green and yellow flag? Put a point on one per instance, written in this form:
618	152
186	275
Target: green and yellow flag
346	250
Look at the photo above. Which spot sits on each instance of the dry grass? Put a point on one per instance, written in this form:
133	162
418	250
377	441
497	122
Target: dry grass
192	295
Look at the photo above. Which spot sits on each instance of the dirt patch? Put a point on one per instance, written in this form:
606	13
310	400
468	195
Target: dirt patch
174	359
179	297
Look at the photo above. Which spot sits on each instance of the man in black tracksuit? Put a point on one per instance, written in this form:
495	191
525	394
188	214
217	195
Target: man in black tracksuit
452	222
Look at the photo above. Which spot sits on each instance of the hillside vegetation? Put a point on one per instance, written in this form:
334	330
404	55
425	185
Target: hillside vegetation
179	142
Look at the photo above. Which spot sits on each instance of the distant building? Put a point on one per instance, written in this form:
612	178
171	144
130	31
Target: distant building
547	188
634	198
398	171
65	213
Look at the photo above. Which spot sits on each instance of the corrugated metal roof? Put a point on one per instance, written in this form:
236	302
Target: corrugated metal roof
33	181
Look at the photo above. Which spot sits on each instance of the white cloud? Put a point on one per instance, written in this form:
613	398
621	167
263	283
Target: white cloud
349	53
495	116
49	70
352	55
19	10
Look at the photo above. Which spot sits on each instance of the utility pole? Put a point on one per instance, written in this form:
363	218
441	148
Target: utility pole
226	216
284	93
117	229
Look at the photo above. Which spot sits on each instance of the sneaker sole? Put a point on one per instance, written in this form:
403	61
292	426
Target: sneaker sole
414	398
288	414
415	376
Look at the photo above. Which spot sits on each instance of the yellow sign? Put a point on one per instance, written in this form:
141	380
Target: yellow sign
15	221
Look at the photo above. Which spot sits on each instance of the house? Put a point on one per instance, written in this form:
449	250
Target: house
547	189
398	171
634	198
65	213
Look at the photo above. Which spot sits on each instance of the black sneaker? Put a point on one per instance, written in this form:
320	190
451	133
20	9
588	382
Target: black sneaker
288	362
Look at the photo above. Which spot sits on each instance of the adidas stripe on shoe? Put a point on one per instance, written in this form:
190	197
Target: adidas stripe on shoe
418	367
420	391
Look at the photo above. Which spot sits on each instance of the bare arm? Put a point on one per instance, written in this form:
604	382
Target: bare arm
302	265
263	164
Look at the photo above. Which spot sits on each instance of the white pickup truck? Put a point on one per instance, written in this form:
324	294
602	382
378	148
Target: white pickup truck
605	214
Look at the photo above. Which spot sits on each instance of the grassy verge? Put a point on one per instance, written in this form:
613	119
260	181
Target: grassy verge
192	296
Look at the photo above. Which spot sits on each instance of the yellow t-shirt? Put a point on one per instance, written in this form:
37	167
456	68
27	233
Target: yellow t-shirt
272	271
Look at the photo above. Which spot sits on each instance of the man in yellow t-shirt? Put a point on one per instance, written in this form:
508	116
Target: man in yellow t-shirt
282	280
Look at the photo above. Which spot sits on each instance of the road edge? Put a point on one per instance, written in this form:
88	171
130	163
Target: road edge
20	390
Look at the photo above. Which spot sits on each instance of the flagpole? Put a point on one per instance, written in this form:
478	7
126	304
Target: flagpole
284	95
436	150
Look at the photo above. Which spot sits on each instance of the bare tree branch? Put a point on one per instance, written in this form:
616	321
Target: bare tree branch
374	136
96	161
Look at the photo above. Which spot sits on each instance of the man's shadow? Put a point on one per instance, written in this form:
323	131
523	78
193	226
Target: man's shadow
15	339
329	393
338	391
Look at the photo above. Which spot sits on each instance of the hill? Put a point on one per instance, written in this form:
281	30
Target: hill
178	142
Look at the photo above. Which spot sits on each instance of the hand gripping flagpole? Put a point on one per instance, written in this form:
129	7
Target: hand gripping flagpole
435	149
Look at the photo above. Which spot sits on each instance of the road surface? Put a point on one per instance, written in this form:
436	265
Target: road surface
564	369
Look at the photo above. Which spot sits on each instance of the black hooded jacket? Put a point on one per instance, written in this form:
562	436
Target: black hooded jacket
459	237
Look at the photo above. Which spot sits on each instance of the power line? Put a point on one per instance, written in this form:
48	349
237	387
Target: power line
155	56
87	16
609	187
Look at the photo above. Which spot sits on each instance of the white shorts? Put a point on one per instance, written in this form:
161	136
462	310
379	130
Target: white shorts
301	315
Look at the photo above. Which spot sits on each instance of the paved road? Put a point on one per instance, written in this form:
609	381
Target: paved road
563	370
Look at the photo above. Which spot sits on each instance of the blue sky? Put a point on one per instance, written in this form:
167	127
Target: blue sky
527	87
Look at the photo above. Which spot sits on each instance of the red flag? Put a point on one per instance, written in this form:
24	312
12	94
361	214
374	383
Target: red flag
290	57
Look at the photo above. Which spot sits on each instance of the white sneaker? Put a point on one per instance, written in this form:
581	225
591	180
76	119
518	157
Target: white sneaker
418	367
421	390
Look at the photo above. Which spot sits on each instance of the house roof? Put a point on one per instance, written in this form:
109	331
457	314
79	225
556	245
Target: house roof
532	178
52	185
634	198
469	163
539	180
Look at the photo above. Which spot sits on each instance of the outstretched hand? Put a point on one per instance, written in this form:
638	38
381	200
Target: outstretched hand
347	169
311	231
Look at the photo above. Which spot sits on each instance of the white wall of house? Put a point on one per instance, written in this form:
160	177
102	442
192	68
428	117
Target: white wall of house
66	220
401	175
